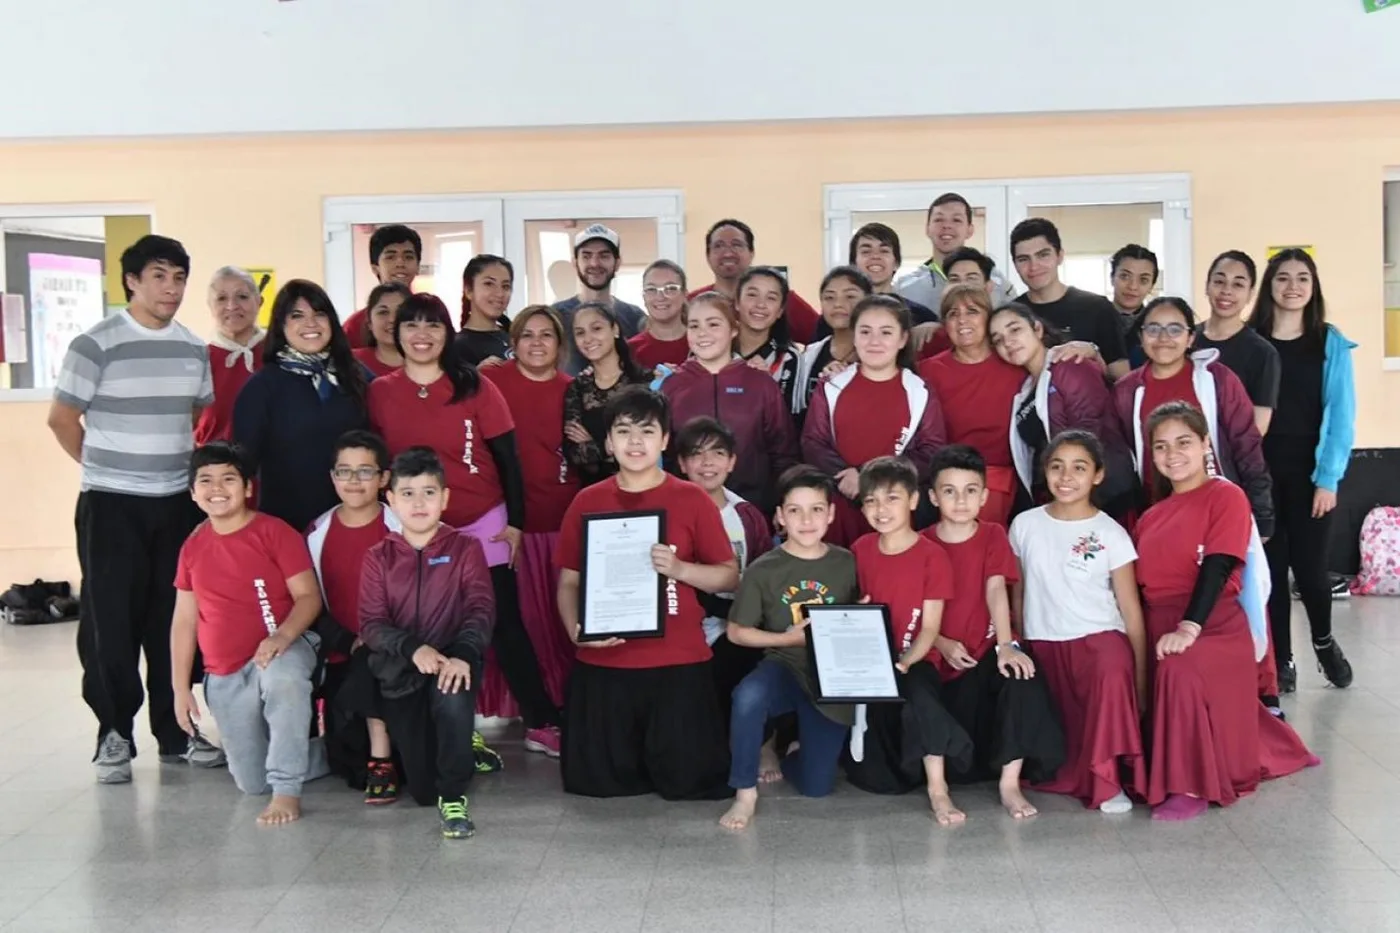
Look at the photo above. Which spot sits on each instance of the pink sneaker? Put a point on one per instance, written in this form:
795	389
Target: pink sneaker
544	740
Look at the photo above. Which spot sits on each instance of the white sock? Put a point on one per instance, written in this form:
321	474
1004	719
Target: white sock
1118	803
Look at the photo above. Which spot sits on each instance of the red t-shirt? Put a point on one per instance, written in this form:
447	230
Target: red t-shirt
371	362
651	353
869	419
976	399
1176	534
538	411
1178	388
357	328
342	557
216	421
802	318
903	581
966	617
938	343
456	432
694	530
239	581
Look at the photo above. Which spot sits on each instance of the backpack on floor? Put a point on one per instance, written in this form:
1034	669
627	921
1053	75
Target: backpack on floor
38	603
1380	553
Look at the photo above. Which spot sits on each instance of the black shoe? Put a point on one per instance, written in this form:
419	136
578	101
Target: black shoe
1341	587
1271	704
1333	664
1288	678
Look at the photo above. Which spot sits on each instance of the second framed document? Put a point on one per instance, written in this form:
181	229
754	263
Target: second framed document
620	593
851	650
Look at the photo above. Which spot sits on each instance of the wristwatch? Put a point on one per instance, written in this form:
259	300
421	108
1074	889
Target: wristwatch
1013	643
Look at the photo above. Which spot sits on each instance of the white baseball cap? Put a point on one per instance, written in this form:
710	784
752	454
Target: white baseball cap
598	232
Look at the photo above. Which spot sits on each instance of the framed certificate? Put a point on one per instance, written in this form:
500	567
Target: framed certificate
620	594
851	650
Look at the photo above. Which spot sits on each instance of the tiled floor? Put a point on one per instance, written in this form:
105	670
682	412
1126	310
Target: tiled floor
178	849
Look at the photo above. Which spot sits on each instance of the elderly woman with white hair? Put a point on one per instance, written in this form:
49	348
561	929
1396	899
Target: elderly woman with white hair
234	302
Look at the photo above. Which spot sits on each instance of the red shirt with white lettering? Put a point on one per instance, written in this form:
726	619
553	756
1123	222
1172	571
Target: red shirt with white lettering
538	411
694	530
903	581
456	431
966	617
239	580
976	399
869	418
651	353
1176	534
342	557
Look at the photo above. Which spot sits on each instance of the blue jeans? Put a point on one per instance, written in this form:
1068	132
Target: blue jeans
772	690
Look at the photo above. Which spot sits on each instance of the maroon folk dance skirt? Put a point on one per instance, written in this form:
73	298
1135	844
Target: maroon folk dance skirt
1211	737
538	582
1093	684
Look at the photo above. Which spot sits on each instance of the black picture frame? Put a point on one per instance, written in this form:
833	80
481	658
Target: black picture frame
888	640
662	608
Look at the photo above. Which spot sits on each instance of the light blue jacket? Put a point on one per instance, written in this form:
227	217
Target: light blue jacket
1338	431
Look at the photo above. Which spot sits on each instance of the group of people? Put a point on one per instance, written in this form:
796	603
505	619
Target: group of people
1066	503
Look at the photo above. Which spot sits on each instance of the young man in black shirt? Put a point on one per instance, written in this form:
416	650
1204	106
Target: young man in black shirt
1037	253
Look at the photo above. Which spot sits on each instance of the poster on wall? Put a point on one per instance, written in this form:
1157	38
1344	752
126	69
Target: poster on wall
1305	247
14	335
65	293
266	280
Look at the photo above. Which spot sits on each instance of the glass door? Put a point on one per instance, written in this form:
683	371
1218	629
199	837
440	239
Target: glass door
1096	216
904	207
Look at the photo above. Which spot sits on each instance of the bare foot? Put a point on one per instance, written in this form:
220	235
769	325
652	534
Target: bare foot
770	770
943	810
1016	803
282	809
740	812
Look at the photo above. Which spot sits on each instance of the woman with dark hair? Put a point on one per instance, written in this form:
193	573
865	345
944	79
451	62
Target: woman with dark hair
1307	449
1058	396
439	401
842	289
1210	740
487	284
610	369
1173	375
290	414
533	384
1229	286
877	408
765	342
381	357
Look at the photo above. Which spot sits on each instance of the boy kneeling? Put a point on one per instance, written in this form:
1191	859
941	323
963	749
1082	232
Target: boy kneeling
426	612
246	592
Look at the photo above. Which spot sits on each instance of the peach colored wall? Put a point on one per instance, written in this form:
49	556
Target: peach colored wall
1259	176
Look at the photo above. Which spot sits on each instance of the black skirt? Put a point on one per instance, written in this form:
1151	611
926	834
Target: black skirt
899	735
1008	719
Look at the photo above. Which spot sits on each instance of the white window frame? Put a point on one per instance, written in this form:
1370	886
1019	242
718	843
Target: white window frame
1390	364
341	214
1007	202
90	209
666	206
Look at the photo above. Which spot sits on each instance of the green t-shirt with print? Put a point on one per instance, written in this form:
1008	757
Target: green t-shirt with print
771	595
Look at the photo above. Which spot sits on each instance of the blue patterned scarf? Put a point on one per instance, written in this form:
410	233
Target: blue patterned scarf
318	367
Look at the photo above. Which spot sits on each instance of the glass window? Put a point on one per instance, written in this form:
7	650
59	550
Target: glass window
913	240
446	249
1391	230
1092	233
549	257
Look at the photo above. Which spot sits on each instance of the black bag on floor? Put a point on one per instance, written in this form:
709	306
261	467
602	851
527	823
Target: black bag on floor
38	603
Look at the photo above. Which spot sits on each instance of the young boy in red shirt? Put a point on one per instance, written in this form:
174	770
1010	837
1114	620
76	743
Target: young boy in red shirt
339	540
990	685
246	593
426	613
641	715
905	746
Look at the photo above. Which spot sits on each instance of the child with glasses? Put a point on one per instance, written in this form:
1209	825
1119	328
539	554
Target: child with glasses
339	540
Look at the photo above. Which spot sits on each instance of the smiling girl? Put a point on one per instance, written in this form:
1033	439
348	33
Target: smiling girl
1229	287
487	283
876	408
381	357
842	290
765	341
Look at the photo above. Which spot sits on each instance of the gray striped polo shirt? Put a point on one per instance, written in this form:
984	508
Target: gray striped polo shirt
138	389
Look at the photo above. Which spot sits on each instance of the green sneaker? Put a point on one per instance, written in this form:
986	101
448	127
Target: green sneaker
456	819
487	760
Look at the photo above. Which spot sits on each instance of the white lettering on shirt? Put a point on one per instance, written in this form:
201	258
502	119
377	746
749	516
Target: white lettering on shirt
910	629
469	433
265	605
1200	554
673	600
905	435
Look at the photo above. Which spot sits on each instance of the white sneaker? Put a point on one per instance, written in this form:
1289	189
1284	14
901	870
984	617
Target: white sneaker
113	760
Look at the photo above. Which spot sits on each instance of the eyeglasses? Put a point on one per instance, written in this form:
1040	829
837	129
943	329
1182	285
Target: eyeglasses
364	474
656	291
1174	331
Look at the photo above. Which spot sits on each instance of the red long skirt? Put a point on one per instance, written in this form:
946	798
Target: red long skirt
538	583
1211	737
1093	683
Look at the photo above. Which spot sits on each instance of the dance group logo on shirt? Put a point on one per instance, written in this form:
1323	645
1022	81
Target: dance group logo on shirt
806	593
1089	546
910	629
265	605
469	431
673	599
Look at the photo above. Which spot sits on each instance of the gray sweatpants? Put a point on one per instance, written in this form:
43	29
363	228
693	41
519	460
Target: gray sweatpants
263	716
